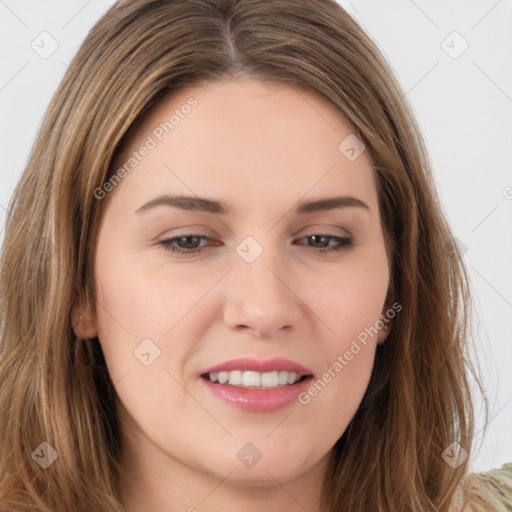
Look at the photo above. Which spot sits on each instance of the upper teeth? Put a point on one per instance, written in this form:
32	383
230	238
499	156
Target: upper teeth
254	379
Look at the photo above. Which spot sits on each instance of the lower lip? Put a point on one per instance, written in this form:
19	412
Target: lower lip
258	400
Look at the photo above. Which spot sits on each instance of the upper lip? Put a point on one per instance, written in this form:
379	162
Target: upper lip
262	366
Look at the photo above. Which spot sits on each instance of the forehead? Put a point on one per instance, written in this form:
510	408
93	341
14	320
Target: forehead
244	138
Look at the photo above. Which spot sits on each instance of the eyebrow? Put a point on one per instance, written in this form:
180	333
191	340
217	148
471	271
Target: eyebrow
202	204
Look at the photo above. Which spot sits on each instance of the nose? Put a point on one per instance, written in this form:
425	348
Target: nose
263	298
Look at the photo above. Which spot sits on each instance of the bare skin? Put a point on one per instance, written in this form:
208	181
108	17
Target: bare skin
261	148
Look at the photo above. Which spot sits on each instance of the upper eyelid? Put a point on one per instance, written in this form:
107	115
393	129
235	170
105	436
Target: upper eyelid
314	231
208	237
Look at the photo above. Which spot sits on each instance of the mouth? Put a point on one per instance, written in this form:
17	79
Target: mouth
256	386
257	399
255	380
253	373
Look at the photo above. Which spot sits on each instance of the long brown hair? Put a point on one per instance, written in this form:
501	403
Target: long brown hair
55	387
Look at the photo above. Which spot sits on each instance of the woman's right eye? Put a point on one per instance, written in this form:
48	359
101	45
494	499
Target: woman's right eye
185	241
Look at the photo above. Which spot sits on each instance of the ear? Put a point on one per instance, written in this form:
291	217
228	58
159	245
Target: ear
83	320
387	324
384	333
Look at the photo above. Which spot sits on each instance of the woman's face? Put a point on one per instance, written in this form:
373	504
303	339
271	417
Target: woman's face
256	275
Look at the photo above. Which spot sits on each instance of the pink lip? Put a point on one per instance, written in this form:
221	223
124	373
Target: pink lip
258	400
256	365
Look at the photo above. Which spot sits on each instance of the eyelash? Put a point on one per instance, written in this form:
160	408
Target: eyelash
345	244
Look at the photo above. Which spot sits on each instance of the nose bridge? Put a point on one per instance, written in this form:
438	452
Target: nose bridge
259	295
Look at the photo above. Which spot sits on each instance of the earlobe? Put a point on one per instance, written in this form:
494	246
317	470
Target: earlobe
384	332
386	320
83	321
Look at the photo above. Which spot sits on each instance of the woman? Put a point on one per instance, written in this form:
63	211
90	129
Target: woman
226	278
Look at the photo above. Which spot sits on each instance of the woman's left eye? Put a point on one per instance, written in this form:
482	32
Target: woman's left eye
343	243
190	244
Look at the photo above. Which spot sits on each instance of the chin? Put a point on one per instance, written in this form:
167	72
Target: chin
250	465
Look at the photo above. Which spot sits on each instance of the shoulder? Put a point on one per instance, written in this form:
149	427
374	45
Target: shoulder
486	492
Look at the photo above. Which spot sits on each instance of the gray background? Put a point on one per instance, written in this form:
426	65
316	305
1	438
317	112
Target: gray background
462	99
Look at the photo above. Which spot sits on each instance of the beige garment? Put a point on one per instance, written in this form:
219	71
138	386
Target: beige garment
486	492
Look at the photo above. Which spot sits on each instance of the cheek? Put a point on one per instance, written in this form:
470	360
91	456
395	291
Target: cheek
332	399
147	314
352	316
135	311
144	301
353	304
352	312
